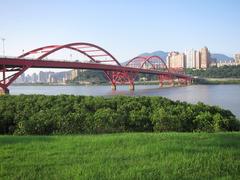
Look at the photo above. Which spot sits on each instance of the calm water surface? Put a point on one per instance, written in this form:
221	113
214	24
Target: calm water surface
225	96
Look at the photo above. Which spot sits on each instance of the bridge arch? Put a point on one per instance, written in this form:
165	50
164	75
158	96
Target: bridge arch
92	51
143	62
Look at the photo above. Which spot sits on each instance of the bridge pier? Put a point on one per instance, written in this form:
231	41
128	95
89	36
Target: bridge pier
179	82
161	80
4	91
114	87
189	82
131	87
171	83
161	84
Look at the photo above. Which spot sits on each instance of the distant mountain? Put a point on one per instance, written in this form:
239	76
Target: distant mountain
162	54
221	57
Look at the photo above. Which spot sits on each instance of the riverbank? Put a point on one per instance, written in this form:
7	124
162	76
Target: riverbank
216	81
121	156
82	84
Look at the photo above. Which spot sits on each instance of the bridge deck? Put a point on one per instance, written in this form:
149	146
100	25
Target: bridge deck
32	63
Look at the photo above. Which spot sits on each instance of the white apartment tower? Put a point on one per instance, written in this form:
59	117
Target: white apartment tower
190	58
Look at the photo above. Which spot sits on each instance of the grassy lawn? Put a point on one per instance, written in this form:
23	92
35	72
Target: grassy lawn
121	156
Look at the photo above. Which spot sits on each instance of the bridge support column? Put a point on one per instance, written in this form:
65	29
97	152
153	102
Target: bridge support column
182	82
172	82
161	84
121	77
178	81
161	79
4	91
131	87
114	87
3	83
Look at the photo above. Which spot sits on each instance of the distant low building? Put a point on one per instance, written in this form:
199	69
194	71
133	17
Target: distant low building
20	79
44	76
74	74
34	78
213	62
227	63
52	79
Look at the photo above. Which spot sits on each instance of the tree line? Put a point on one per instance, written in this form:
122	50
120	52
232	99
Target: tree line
216	72
68	114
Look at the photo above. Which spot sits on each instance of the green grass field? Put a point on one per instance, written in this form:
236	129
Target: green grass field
121	156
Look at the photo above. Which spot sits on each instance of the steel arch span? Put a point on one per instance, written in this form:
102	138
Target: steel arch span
152	63
148	62
157	63
94	53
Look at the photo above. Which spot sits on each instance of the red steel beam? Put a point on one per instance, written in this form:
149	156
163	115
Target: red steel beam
92	50
99	55
32	63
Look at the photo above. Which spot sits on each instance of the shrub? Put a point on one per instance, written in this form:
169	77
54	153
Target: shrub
39	114
163	121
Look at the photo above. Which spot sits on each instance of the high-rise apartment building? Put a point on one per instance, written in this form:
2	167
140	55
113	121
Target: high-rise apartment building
190	58
205	57
198	60
176	60
237	58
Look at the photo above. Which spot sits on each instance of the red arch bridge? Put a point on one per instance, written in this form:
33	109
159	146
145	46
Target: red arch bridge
96	58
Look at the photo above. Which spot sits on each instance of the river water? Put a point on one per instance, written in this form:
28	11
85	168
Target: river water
225	96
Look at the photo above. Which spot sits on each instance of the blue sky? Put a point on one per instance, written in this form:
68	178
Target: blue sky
125	28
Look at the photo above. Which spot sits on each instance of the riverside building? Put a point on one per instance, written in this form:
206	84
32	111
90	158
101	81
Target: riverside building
190	59
205	58
176	60
237	58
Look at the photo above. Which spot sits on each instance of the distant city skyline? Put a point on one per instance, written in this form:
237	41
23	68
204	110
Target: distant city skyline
124	28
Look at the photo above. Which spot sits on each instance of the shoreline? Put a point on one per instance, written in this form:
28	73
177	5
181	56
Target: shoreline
216	81
199	81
